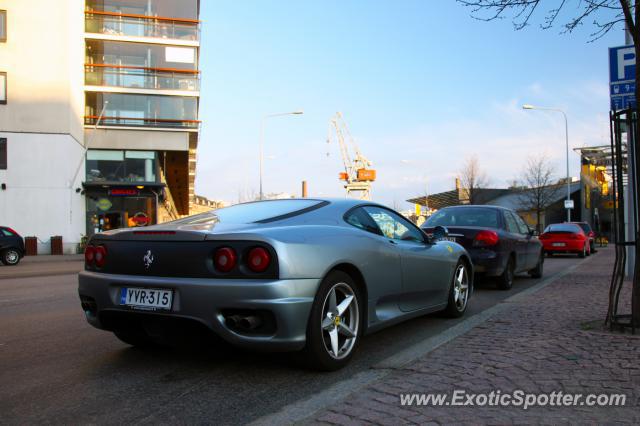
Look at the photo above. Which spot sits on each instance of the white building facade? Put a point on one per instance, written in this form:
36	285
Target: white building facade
98	115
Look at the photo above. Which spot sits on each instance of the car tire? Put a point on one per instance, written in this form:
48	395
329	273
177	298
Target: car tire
582	254
505	280
538	270
592	247
335	325
459	291
10	257
137	338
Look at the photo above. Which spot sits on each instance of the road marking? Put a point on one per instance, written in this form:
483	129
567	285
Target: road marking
305	409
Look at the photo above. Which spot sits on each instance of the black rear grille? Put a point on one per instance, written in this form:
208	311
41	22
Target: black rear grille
189	259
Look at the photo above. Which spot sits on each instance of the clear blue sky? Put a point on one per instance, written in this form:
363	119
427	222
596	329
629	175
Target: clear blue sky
421	84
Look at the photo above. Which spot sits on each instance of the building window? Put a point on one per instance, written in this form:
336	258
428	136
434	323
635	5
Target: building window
140	65
151	18
3	88
3	26
121	166
126	109
3	153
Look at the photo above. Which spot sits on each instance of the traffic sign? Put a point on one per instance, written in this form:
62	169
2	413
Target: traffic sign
568	204
622	77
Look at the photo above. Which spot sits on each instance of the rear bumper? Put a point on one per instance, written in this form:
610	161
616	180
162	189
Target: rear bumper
569	246
204	301
487	262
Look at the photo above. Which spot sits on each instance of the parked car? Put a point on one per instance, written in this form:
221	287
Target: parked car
296	274
499	241
586	228
565	238
11	246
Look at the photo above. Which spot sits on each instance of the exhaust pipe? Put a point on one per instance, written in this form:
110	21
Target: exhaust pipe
233	321
250	322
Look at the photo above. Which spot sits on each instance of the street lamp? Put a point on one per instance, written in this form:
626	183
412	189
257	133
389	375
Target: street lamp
262	129
566	135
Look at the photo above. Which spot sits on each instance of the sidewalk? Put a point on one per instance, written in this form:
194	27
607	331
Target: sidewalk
52	258
544	342
43	265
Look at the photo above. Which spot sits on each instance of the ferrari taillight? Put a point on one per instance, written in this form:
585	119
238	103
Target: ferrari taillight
224	259
89	255
258	259
100	256
486	238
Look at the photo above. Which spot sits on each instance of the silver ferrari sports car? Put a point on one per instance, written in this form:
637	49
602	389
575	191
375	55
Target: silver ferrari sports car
297	274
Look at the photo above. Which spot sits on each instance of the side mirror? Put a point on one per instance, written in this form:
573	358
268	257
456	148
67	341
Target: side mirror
533	232
440	232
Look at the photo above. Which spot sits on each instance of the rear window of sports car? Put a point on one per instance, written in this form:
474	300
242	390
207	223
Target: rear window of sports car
261	211
567	228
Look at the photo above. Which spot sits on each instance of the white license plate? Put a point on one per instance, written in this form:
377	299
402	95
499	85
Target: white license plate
146	298
558	244
452	239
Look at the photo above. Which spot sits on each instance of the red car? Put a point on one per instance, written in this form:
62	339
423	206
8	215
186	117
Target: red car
589	232
565	238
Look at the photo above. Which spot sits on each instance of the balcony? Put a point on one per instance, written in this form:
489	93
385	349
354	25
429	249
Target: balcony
134	110
91	120
137	25
139	77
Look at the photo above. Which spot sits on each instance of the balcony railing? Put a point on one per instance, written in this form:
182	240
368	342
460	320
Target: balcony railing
141	77
141	122
126	24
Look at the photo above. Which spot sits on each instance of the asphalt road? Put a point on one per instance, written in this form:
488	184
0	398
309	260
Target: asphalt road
55	368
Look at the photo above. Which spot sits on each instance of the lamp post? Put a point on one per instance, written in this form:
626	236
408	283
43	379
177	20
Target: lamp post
262	129
566	135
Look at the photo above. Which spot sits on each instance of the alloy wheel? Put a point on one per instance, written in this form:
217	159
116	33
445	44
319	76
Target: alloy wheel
11	257
340	320
461	288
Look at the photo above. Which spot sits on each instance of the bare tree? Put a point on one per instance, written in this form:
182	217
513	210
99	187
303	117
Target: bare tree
472	179
539	189
604	15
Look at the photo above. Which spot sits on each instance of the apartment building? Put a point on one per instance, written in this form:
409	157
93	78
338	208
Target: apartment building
98	114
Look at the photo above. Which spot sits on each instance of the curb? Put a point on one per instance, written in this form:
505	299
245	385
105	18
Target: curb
303	411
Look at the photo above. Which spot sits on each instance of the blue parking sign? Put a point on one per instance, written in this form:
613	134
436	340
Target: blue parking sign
622	77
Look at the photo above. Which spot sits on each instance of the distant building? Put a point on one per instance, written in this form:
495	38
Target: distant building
517	200
512	198
457	196
203	204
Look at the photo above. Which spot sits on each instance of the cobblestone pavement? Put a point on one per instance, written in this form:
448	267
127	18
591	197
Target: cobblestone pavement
538	345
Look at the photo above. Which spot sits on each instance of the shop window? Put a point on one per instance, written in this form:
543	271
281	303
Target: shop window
121	166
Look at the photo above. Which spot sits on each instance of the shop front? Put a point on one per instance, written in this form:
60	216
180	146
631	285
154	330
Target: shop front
120	207
121	190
